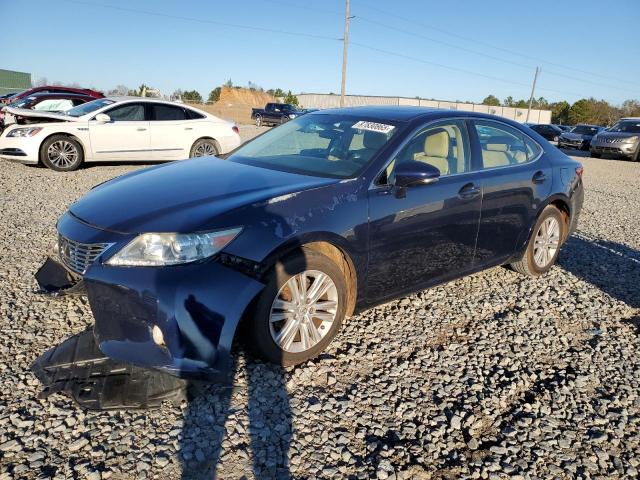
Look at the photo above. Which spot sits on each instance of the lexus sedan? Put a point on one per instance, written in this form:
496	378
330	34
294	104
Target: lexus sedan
307	224
115	128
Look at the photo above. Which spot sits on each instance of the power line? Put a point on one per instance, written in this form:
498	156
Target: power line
486	55
481	42
206	21
458	69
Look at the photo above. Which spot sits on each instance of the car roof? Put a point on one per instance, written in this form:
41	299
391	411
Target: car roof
408	113
58	94
142	99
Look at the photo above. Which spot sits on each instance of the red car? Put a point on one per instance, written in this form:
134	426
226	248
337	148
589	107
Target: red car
52	89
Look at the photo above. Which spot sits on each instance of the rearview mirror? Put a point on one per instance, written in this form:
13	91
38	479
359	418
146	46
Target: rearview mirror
103	118
413	173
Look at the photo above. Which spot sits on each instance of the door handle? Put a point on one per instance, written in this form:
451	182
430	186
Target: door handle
469	192
188	128
141	129
539	177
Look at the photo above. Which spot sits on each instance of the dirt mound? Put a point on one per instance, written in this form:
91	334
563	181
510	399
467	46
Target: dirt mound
236	103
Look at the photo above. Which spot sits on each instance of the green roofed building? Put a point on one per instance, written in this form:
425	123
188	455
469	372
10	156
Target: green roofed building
11	81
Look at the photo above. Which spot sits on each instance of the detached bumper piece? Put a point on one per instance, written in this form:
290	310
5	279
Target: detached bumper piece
53	278
77	368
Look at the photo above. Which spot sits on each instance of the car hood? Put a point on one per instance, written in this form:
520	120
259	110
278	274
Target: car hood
25	112
184	196
576	136
613	135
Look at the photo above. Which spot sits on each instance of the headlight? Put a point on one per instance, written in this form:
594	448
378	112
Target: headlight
633	139
292	115
158	249
24	132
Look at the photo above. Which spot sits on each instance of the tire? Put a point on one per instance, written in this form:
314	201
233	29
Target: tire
204	147
596	155
258	120
531	263
282	120
636	157
61	153
262	333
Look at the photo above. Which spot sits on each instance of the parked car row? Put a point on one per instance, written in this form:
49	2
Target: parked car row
621	140
114	128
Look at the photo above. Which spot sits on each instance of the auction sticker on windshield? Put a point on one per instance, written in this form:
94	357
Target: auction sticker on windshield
373	126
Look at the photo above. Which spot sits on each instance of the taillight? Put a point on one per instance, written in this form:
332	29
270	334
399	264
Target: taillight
579	170
236	129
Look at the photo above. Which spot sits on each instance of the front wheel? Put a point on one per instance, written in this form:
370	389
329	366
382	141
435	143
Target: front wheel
61	153
595	155
544	245
300	310
205	147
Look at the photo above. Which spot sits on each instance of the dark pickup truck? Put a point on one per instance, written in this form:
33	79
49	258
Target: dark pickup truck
275	113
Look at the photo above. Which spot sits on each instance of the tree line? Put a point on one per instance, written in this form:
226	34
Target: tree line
585	110
194	95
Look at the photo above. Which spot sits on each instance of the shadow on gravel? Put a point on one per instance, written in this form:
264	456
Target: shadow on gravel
212	420
612	267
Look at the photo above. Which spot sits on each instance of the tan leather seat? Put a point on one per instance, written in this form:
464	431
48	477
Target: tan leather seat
436	151
496	155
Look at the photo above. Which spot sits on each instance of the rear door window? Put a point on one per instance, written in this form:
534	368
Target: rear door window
503	145
163	113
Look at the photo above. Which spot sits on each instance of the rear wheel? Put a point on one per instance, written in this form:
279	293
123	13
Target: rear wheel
205	147
61	153
544	245
258	120
300	310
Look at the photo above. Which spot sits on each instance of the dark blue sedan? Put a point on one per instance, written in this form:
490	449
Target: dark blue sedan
326	215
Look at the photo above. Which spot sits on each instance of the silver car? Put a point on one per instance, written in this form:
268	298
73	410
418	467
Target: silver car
621	140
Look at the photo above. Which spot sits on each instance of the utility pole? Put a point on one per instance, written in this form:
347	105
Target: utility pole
345	41
533	89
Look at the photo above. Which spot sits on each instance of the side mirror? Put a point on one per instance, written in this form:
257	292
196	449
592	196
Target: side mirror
103	118
413	173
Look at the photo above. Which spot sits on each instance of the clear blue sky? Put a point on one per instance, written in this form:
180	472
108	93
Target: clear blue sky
393	53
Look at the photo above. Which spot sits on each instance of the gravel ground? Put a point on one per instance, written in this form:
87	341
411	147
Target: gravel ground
491	376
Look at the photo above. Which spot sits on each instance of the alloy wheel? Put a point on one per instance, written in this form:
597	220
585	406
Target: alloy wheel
62	154
547	242
204	149
303	311
258	121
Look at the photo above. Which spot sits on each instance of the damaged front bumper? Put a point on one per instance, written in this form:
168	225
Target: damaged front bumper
178	319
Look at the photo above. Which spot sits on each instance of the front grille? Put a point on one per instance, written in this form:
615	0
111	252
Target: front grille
78	256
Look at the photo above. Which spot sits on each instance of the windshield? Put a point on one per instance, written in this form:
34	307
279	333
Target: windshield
626	127
23	102
332	146
88	107
585	130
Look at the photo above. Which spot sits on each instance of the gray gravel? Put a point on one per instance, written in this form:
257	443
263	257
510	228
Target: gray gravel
491	376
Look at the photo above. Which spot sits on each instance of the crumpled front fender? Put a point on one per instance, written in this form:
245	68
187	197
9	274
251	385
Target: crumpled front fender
193	309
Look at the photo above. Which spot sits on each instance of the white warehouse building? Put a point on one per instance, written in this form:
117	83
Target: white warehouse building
324	100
